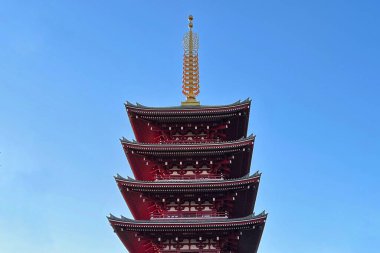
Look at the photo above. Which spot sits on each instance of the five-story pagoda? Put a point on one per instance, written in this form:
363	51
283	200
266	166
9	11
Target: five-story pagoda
193	191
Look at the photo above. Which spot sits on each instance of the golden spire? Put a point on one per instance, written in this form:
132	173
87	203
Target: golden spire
190	76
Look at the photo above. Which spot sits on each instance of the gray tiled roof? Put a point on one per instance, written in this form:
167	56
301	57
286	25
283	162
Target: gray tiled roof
197	182
250	137
186	221
137	105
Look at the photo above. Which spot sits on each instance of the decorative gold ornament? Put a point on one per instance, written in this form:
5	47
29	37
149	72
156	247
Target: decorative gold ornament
190	76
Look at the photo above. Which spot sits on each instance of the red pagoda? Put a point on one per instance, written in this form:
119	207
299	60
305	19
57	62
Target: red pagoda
192	191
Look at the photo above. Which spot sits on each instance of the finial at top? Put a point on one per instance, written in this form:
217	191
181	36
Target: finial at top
190	76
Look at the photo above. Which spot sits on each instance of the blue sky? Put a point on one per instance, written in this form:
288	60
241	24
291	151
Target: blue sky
311	68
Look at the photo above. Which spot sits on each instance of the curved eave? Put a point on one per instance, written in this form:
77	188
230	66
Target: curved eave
183	185
188	146
188	110
181	224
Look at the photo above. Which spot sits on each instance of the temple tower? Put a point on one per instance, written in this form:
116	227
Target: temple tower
193	191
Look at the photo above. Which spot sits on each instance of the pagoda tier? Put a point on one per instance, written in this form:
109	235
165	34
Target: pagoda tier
192	235
216	160
199	199
189	123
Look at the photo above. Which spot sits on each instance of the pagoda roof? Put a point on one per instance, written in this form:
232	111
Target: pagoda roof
189	185
188	146
186	224
188	109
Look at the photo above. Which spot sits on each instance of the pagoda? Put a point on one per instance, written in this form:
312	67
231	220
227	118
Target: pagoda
193	190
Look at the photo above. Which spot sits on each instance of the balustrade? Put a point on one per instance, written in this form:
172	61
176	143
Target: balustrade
190	215
189	177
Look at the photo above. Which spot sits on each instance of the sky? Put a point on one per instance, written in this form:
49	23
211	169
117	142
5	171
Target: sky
311	69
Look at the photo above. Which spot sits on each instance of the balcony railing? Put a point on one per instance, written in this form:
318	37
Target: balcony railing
189	177
190	215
